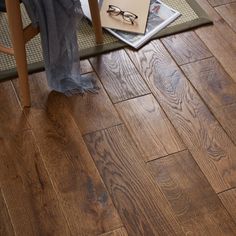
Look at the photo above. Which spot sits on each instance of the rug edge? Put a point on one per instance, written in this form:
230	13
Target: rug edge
203	19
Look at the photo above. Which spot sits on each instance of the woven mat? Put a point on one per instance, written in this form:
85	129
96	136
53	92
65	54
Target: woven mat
192	16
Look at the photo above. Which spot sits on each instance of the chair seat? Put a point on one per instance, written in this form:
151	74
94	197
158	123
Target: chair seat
2	6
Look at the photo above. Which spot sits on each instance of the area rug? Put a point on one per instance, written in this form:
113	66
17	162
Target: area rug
192	16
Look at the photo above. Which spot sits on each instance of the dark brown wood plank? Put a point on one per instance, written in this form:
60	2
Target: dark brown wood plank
217	89
28	192
227	117
212	82
141	205
149	127
118	232
6	228
19	205
228	198
81	192
12	118
220	39
220	27
228	13
85	67
38	82
220	2
203	136
186	47
193	200
93	112
119	76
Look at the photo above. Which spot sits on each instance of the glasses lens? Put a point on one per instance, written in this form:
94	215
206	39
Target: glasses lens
128	16
114	10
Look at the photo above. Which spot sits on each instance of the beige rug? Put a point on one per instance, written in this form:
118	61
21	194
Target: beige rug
192	16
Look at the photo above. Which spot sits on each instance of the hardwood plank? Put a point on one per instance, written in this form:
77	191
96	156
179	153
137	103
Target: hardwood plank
220	2
192	198
203	136
6	228
119	76
141	205
219	24
32	202
93	112
81	192
38	82
220	39
118	232
85	67
12	118
228	198
149	127
227	117
221	49
228	13
217	89
212	82
90	111
186	47
21	212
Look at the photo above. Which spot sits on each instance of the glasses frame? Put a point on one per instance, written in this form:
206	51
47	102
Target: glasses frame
130	17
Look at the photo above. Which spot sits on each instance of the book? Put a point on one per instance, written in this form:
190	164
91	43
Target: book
125	15
159	16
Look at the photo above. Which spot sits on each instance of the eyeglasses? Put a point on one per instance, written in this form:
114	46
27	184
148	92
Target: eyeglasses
127	16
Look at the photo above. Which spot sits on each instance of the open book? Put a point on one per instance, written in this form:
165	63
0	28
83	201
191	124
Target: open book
160	15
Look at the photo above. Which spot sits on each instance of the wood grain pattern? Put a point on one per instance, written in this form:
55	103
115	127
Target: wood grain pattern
93	112
81	192
37	82
119	76
219	2
217	89
118	232
12	119
193	200
212	82
186	47
227	117
36	210
6	228
85	67
202	134
149	127
176	199
141	205
222	50
228	13
220	39
228	198
219	25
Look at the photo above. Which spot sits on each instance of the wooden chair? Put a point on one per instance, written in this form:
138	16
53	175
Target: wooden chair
20	36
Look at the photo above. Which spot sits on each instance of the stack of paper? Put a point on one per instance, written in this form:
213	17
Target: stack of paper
138	7
152	16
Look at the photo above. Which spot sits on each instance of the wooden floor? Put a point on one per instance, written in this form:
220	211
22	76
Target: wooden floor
153	153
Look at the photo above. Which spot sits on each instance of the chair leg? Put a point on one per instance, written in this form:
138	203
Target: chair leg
18	43
95	14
